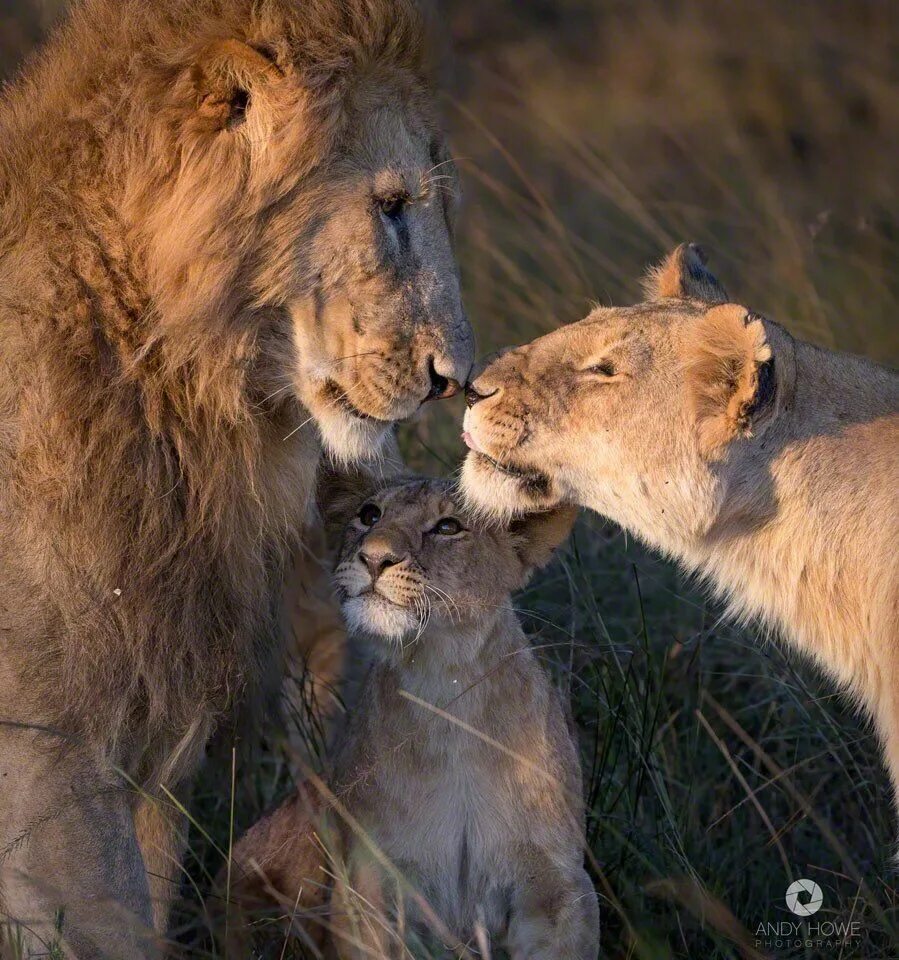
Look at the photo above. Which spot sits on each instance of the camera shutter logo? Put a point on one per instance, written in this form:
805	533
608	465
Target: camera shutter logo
804	898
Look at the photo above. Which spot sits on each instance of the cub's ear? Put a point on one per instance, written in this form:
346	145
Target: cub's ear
225	77
342	489
537	535
730	374
340	492
683	275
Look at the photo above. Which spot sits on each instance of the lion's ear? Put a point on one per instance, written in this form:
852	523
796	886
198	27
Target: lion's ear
225	77
537	535
684	276
730	374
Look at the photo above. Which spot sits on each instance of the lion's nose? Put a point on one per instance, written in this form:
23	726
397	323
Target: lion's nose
377	561
441	387
473	396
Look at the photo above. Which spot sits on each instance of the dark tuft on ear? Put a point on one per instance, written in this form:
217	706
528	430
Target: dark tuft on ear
731	376
683	275
537	535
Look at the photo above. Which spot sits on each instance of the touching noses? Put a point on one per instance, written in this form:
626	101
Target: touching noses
491	368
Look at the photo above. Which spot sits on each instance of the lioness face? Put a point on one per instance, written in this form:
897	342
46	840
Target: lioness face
630	412
413	557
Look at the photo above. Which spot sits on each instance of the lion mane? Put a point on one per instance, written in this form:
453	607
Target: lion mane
153	476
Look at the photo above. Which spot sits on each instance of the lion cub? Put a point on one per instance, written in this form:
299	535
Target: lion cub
458	764
457	787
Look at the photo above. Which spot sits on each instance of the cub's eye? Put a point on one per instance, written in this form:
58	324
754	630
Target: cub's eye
369	515
393	206
605	368
447	527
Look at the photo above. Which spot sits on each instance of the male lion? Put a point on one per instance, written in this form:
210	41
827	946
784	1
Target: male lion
224	244
767	465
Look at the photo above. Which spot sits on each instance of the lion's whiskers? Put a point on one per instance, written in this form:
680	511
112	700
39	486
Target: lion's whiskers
333	402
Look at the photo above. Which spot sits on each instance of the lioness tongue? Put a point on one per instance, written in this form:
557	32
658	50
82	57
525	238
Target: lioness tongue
470	442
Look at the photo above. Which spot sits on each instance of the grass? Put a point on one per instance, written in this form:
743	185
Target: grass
594	135
718	769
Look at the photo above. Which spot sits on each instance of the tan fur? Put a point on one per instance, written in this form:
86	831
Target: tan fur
199	289
467	817
279	862
768	466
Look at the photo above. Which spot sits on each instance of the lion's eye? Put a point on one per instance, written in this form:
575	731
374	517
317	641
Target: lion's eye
447	527
605	368
369	515
393	206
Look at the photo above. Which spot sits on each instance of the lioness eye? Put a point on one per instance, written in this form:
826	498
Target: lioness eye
369	515
392	207
605	368
448	527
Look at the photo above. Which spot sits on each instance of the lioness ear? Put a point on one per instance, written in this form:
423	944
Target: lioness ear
730	376
683	275
225	76
537	535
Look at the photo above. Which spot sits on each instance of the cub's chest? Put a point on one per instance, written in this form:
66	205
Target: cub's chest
447	802
455	840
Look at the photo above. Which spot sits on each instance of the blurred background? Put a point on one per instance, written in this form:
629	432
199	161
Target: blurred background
592	136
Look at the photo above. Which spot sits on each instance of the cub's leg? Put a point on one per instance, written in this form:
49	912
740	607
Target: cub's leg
554	916
361	926
71	873
162	837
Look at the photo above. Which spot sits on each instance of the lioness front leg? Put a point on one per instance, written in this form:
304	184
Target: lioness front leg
554	916
72	877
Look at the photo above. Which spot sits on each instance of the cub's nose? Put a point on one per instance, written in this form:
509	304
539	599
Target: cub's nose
377	561
473	396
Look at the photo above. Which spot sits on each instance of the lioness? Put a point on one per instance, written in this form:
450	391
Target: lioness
225	244
768	466
457	773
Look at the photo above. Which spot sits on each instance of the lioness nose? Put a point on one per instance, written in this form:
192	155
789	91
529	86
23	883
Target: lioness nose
441	387
472	396
378	561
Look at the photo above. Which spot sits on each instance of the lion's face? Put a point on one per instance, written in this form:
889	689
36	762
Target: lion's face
382	329
632	412
414	556
307	208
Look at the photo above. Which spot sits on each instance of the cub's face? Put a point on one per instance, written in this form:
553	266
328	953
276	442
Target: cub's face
413	556
632	411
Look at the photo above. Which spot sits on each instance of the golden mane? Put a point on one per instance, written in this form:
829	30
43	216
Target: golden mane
152	478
